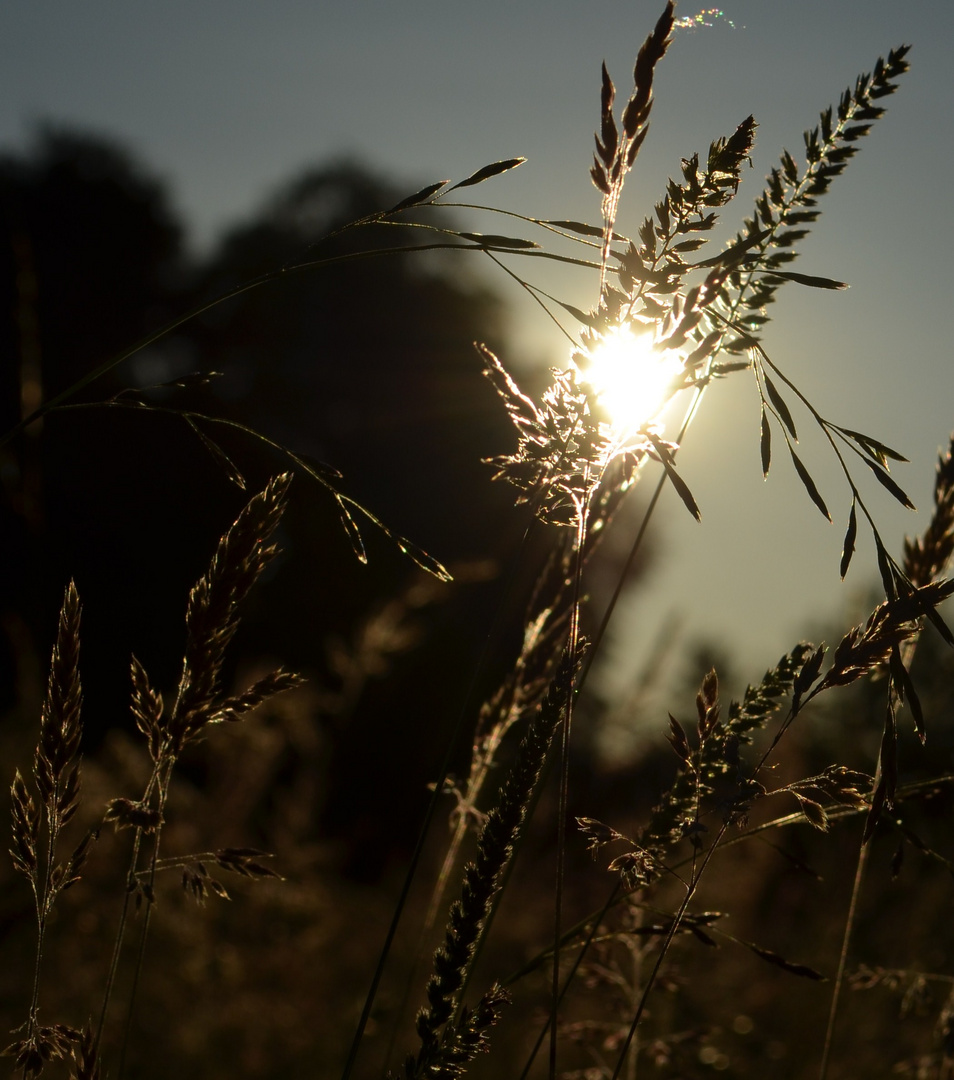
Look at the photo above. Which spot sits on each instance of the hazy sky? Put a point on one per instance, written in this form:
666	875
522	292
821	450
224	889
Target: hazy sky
228	99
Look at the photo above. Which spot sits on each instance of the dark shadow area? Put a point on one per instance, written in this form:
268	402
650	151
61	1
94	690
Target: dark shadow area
367	367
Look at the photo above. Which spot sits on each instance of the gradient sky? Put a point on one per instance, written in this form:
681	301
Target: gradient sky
228	99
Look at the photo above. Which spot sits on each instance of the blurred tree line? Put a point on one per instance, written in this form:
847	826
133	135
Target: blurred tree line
368	367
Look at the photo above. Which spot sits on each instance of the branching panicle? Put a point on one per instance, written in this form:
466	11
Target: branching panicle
713	764
562	446
55	761
866	648
615	153
37	826
212	616
838	784
788	203
43	1044
212	619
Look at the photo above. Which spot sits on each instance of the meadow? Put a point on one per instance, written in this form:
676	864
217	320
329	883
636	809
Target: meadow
766	887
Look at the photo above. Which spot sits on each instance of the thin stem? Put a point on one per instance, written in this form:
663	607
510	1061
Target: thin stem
907	655
272	275
132	879
664	950
536	294
636	545
160	779
426	826
636	952
573	642
594	927
130	1012
118	943
43	905
843	957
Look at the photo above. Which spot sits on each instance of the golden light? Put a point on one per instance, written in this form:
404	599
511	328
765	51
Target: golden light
633	381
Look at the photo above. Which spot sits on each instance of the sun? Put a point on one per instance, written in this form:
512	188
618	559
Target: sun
632	379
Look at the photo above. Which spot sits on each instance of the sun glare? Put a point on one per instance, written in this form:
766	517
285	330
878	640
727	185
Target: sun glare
633	381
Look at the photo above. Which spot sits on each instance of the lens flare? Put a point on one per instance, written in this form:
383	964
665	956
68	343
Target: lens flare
633	381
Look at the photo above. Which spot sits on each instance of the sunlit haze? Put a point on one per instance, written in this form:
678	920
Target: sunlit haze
632	379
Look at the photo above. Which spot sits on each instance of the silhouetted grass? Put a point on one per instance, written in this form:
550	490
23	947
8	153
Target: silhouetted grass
623	989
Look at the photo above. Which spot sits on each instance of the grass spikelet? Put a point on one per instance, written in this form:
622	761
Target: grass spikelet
85	1057
482	878
212	616
37	827
54	764
235	708
616	154
865	648
43	1044
26	830
463	1040
146	707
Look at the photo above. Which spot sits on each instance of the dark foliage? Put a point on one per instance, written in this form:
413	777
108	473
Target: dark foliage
367	367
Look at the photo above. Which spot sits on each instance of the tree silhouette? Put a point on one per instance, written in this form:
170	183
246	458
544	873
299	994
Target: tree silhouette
367	365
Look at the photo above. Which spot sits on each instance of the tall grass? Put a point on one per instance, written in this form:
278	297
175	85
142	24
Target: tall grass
729	785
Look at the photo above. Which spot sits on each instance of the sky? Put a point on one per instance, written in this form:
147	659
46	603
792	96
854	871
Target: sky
226	100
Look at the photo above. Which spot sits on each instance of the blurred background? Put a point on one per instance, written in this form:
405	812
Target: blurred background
152	158
226	102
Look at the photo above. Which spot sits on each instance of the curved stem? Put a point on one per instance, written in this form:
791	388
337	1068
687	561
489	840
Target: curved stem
272	275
